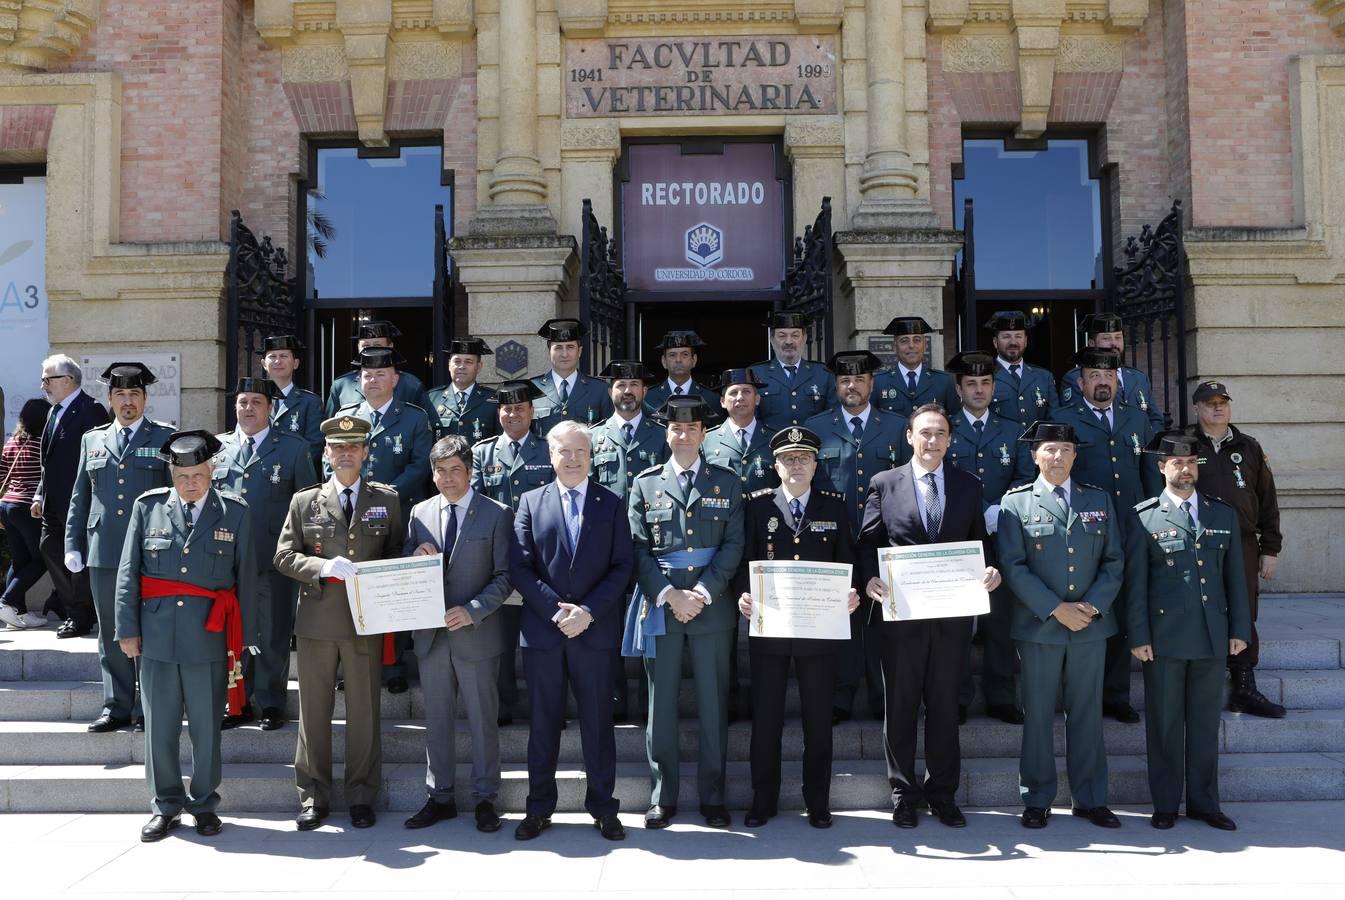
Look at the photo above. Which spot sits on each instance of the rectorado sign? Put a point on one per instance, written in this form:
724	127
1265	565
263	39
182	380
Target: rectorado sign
702	221
700	76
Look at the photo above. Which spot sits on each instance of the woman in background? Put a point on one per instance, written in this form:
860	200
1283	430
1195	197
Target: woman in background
20	469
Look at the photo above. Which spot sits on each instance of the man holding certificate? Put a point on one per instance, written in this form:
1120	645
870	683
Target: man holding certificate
794	523
924	502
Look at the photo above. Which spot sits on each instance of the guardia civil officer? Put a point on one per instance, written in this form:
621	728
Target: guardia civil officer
796	521
1106	331
1059	546
679	352
188	617
565	392
463	406
347	390
1234	468
1187	592
795	389
742	441
328	528
911	383
118	462
686	519
1024	393
265	465
293	409
1112	438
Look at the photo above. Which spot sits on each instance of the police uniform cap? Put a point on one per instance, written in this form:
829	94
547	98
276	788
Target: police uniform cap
1041	431
263	386
468	345
1207	389
1102	323
683	409
560	330
787	319
378	358
674	339
127	375
795	437
1173	443
854	362
376	329
746	375
509	392
280	342
189	448
1010	320
346	429
623	369
971	362
1097	358
907	325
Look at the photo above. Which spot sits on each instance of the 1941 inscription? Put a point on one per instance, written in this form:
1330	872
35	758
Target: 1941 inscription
700	76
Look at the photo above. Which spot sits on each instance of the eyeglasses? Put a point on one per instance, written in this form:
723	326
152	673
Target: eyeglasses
48	379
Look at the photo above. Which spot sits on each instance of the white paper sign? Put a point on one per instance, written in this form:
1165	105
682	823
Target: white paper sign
933	581
165	394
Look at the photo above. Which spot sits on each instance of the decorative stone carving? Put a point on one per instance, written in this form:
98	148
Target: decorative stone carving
590	134
582	18
35	34
1334	10
1037	38
816	138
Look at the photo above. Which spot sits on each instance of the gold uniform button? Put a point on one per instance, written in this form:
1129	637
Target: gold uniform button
122	466
691	568
796	556
1113	459
1071	568
179	603
1202	581
1197	545
515	481
691	531
121	496
121	481
688	514
796	540
244	491
186	550
1200	562
121	512
859	456
249	474
184	570
1071	587
1160	612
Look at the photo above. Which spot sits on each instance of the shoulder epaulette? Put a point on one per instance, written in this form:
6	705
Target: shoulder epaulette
349	406
1019	489
107	427
649	471
152	492
723	467
484	441
416	406
230	495
378	485
1091	487
762	492
1151	503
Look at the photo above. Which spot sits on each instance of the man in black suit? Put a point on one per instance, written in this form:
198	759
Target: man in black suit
73	412
922	502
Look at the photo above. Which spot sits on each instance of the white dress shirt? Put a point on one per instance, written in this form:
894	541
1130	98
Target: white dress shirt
919	472
1195	506
461	503
572	379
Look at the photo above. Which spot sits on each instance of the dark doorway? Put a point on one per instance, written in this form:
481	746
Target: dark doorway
734	332
335	347
1052	343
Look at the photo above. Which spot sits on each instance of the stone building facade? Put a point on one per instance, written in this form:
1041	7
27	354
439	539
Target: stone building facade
152	120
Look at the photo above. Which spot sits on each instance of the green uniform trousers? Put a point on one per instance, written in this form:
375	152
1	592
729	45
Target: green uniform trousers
1182	702
120	672
171	690
710	667
1047	669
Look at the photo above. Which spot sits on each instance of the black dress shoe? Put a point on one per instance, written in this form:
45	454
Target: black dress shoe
505	719
1098	815
341	684
819	818
311	817
756	818
433	811
949	814
716	816
839	715
1121	712
138	726
1214	820
610	827
244	717
72	629
106	723
1163	821
659	816
531	826
362	816
907	814
961	714
1005	712
157	828
272	718
397	685
208	824
487	819
1035	817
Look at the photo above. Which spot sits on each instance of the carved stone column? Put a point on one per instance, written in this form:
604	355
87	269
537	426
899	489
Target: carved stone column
588	151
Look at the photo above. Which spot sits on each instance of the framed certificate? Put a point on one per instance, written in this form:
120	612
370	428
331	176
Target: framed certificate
933	581
397	594
800	599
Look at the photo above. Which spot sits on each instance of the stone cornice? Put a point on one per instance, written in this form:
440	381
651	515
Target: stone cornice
36	34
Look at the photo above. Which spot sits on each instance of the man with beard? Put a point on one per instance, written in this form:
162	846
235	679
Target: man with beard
795	389
1023	393
911	382
1106	331
346	390
463	406
680	355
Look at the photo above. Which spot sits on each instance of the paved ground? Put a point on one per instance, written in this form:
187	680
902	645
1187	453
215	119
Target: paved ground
1295	850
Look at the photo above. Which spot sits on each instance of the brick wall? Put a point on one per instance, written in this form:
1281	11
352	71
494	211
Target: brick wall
271	157
24	131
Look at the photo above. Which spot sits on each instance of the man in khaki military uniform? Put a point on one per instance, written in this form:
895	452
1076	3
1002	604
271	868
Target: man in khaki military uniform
329	528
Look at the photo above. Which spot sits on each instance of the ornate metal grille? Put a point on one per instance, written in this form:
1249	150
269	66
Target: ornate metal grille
808	282
261	301
602	296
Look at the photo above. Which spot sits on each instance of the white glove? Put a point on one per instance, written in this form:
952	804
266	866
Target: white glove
74	561
992	519
340	567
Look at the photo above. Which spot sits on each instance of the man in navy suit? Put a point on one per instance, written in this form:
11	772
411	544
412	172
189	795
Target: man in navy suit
922	502
73	412
572	560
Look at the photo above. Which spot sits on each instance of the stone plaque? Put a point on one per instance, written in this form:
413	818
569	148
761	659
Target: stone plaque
164	396
745	75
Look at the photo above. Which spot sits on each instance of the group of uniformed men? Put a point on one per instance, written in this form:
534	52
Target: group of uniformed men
1103	550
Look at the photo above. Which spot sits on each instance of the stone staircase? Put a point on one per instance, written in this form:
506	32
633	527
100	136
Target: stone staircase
48	763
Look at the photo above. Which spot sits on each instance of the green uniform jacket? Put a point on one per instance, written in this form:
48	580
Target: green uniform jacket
845	466
995	456
756	468
1048	557
662	521
1187	592
315	531
892	393
399	450
480	420
106	487
588	403
657	394
1032	399
615	461
216	555
505	477
279	469
1114	460
785	402
345	391
300	414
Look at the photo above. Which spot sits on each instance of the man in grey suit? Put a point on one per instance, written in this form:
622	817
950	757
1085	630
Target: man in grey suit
473	533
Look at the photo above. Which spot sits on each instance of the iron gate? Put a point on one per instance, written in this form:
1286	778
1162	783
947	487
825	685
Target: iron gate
260	302
603	307
808	283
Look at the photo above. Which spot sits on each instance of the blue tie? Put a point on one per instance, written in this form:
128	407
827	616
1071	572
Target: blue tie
790	372
451	530
910	382
573	523
857	427
797	509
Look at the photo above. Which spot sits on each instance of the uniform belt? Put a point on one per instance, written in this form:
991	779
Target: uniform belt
224	615
389	638
645	619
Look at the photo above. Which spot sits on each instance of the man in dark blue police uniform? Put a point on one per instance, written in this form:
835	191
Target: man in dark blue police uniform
1023	393
795	389
462	406
564	392
911	383
679	354
346	391
1106	331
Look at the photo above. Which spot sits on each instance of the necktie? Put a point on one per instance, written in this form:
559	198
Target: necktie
347	505
678	390
910	382
249	447
979	426
275	406
564	392
189	510
857	427
513	448
51	424
573	523
627	432
1102	417
686	483
462	400
378	417
1060	496
742	440
796	508
790	372
933	506
1190	519
451	530
123	439
1015	371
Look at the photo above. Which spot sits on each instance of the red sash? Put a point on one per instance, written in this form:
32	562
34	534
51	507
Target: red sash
389	638
225	616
